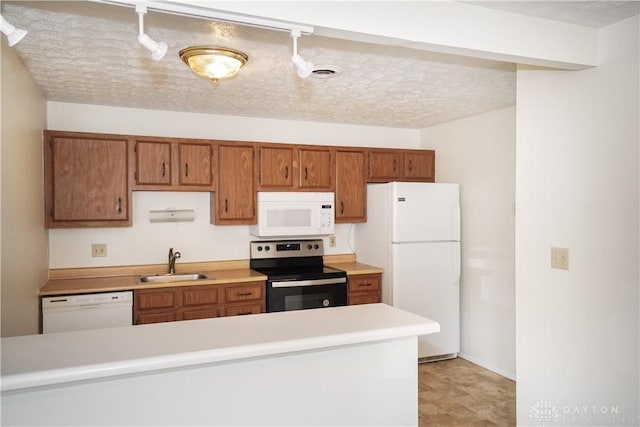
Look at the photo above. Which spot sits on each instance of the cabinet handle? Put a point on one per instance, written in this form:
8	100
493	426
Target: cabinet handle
119	204
366	284
305	173
186	169
244	313
226	205
395	165
286	172
341	207
244	294
164	169
410	165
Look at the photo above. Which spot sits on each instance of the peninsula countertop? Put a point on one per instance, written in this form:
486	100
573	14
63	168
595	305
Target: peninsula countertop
49	359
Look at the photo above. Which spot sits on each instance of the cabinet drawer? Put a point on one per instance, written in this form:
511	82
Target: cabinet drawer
252	291
154	299
239	310
367	282
364	298
162	316
200	295
201	313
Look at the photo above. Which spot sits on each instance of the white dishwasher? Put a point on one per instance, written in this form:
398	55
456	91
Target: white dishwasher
86	311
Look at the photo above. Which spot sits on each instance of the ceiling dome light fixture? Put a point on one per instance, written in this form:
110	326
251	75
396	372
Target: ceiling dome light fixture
14	35
157	50
305	68
213	62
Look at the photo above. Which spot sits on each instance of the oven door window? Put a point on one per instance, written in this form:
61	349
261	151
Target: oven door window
304	297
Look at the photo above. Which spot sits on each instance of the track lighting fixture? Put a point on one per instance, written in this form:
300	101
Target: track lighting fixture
157	49
14	35
305	68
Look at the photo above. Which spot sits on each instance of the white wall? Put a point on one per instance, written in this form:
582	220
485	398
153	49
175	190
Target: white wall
577	186
24	238
146	243
479	153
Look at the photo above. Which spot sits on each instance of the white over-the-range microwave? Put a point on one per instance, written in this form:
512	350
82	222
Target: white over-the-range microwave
294	214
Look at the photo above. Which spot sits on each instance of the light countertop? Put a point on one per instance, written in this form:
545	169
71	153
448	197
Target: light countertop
40	360
79	285
88	280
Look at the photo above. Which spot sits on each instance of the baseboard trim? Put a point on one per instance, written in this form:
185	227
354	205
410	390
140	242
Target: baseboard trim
489	366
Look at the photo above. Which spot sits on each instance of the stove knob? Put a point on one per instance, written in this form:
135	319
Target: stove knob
259	248
325	303
309	246
316	246
267	248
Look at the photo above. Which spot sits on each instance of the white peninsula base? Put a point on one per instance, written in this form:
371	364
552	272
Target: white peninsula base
354	365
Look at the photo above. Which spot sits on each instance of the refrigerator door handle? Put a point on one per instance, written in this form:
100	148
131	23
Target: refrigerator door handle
457	222
457	262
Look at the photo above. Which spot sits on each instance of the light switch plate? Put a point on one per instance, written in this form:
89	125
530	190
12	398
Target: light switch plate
98	250
560	258
332	241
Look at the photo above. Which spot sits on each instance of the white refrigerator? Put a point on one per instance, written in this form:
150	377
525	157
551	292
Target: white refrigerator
413	232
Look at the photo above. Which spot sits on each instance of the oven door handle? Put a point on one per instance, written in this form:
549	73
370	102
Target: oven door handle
296	283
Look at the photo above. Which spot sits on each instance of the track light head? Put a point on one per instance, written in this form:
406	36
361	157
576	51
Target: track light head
14	35
157	49
305	68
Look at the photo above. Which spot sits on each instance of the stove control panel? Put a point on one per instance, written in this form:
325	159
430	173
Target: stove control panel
286	248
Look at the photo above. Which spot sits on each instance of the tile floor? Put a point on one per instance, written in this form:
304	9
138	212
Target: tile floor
459	393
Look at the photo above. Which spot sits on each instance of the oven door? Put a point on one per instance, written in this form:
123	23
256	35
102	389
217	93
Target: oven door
303	294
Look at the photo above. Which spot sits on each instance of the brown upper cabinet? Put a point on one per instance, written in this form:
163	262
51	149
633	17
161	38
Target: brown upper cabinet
386	165
285	167
276	167
315	168
86	180
350	193
173	164
89	177
235	199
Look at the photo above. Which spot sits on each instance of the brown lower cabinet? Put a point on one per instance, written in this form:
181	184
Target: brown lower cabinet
364	289
197	302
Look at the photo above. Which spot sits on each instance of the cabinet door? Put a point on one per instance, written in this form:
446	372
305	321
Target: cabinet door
156	305
350	186
86	180
235	199
153	163
419	165
315	169
199	295
245	292
384	166
149	299
276	167
155	317
365	289
195	164
241	310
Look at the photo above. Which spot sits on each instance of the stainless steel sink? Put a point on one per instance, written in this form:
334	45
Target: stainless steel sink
175	277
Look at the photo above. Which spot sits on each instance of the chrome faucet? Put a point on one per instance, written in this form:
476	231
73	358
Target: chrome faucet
172	260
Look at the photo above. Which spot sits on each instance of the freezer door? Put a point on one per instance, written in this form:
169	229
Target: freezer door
426	281
425	212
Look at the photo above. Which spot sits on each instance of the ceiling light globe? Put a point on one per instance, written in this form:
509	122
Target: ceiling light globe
213	62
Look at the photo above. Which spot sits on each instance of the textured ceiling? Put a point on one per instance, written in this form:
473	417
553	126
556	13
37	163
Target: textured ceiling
87	53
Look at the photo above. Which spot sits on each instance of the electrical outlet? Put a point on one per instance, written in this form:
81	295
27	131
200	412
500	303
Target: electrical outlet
99	250
560	258
332	241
